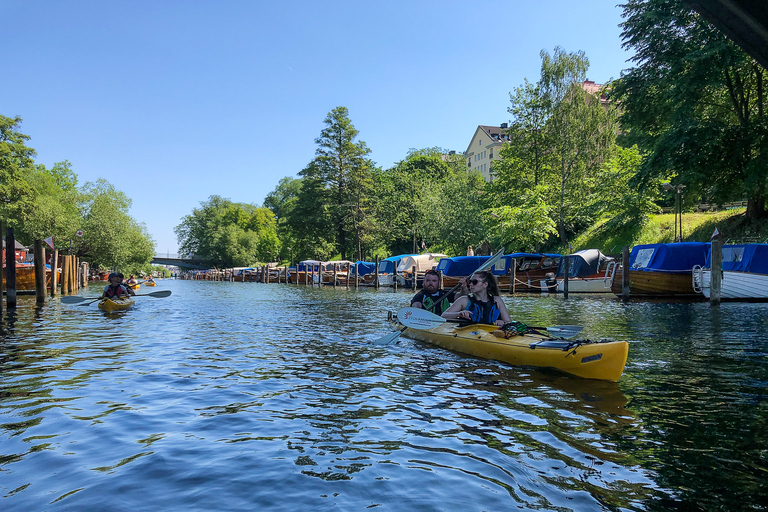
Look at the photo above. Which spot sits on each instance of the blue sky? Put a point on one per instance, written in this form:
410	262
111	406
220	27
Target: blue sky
175	101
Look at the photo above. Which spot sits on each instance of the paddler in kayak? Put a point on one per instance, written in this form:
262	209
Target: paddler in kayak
483	305
429	297
114	290
128	288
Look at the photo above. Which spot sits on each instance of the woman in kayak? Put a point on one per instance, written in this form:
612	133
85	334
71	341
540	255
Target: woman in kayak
483	305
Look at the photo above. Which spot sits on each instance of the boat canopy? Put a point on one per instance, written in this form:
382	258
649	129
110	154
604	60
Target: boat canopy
365	267
587	262
343	264
308	265
426	261
460	266
751	258
674	257
387	265
531	255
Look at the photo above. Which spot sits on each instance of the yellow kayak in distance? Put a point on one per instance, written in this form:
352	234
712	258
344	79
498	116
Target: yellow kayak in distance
112	305
150	283
602	360
134	286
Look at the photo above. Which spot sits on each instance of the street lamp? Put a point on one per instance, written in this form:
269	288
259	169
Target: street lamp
678	208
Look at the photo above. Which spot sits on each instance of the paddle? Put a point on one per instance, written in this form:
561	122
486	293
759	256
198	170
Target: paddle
489	263
73	299
421	319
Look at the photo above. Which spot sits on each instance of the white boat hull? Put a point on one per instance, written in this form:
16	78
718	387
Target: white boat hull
736	285
585	285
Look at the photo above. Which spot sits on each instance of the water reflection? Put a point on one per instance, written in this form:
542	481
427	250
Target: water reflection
236	395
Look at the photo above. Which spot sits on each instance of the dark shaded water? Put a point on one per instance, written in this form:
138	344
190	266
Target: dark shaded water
239	396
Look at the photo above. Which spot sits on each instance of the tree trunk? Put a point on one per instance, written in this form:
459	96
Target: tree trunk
756	208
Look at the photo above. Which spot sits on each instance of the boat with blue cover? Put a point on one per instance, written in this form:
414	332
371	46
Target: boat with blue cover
660	270
458	267
586	273
745	273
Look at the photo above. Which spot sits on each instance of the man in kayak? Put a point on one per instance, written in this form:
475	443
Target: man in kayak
114	290
483	305
429	297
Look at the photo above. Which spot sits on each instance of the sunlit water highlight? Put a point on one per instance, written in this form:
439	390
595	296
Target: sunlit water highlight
239	396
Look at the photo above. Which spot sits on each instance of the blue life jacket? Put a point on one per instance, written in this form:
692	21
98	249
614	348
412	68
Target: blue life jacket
483	312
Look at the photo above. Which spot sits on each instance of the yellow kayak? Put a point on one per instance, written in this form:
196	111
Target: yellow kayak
112	305
603	360
150	283
134	286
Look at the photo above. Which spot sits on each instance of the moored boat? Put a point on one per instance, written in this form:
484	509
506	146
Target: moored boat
422	263
744	271
458	267
25	278
660	270
119	304
586	273
602	360
387	268
530	270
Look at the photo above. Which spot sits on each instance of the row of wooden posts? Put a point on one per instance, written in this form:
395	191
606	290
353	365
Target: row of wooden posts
74	274
264	277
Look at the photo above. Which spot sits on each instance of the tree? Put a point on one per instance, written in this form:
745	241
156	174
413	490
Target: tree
559	141
696	103
111	237
229	234
342	170
55	203
16	161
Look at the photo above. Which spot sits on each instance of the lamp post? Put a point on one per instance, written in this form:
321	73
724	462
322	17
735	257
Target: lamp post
678	208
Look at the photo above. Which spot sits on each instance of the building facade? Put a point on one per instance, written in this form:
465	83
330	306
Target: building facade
484	149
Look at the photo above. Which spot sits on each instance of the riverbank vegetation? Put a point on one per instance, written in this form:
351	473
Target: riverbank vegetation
39	203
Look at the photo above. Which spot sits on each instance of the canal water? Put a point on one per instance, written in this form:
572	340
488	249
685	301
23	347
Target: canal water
242	396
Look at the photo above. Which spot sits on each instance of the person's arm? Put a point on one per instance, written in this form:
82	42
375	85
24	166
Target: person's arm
457	310
504	314
416	300
129	290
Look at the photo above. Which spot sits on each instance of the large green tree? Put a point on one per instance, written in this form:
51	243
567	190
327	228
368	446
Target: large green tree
229	234
16	162
696	103
559	142
342	172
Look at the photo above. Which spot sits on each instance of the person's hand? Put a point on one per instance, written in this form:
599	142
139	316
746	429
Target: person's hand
500	322
464	315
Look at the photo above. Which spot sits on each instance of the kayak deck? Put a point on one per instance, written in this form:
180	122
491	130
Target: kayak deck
603	360
112	305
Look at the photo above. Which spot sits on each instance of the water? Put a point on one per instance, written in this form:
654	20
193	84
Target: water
240	396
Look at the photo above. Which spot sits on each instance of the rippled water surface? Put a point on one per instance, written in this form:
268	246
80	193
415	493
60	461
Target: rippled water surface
240	396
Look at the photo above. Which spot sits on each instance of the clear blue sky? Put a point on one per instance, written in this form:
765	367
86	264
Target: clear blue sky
175	101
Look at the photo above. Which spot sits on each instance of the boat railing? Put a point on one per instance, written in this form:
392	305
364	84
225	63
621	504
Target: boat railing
610	270
697	278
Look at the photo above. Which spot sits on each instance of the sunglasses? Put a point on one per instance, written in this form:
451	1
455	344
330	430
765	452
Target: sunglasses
475	281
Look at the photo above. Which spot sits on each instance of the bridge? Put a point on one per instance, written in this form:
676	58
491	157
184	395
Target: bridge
177	261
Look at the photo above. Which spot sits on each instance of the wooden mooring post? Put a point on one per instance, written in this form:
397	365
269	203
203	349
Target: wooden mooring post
415	277
512	275
10	269
54	272
565	276
716	280
2	281
357	276
376	274
39	272
394	276
625	274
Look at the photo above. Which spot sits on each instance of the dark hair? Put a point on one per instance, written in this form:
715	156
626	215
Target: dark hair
493	285
432	272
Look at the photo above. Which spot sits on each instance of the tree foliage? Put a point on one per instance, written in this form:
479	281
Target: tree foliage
229	234
695	102
16	161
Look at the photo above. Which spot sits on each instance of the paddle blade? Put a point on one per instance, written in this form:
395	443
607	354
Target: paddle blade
160	294
565	331
490	262
419	318
74	299
390	338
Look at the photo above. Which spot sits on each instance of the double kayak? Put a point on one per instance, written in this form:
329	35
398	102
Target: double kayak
602	360
112	305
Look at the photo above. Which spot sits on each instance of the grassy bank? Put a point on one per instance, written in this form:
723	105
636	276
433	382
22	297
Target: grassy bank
697	227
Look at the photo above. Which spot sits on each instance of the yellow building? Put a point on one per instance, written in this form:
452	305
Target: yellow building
484	149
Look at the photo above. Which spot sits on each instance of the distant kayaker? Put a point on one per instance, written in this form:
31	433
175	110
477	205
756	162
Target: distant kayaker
114	290
429	297
124	285
483	305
